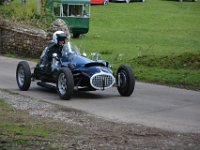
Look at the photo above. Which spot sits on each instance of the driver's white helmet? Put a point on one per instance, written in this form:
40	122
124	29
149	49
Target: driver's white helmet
58	35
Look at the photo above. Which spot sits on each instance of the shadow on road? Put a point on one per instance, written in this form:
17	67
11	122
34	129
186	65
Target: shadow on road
77	95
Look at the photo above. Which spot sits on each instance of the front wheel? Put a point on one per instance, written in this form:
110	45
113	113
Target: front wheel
125	80
65	83
23	75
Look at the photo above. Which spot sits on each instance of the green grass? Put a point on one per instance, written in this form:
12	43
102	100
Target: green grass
17	124
155	27
16	9
24	14
153	30
19	130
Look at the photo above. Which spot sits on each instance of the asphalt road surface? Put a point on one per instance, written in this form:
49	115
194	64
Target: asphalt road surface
151	105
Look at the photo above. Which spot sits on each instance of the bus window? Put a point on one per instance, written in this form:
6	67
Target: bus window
65	10
75	10
86	11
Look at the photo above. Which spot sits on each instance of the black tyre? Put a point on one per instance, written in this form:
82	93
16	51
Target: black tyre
23	75
76	35
125	80
65	83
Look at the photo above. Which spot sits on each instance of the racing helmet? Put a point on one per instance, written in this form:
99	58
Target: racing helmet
59	36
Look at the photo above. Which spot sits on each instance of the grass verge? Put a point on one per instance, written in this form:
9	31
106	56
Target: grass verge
181	71
19	130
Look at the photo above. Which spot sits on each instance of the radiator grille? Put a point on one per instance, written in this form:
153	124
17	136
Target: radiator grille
102	81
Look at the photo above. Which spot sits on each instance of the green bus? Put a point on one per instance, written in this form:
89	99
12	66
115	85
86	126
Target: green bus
76	14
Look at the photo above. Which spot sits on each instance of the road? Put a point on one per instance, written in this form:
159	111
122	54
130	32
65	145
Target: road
151	105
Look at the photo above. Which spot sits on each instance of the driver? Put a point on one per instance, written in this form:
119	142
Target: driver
55	46
59	38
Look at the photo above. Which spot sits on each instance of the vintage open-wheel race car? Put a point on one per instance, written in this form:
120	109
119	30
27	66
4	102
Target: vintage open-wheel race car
75	71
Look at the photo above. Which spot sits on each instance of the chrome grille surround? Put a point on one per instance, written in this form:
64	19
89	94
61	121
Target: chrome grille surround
102	80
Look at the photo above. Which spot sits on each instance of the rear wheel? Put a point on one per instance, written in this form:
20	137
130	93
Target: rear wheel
23	75
65	83
125	80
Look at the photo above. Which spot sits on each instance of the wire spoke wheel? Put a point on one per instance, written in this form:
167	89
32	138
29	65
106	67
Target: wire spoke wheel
65	83
123	79
62	86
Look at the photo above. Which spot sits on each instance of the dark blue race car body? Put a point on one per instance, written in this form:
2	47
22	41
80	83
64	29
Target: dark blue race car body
74	71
